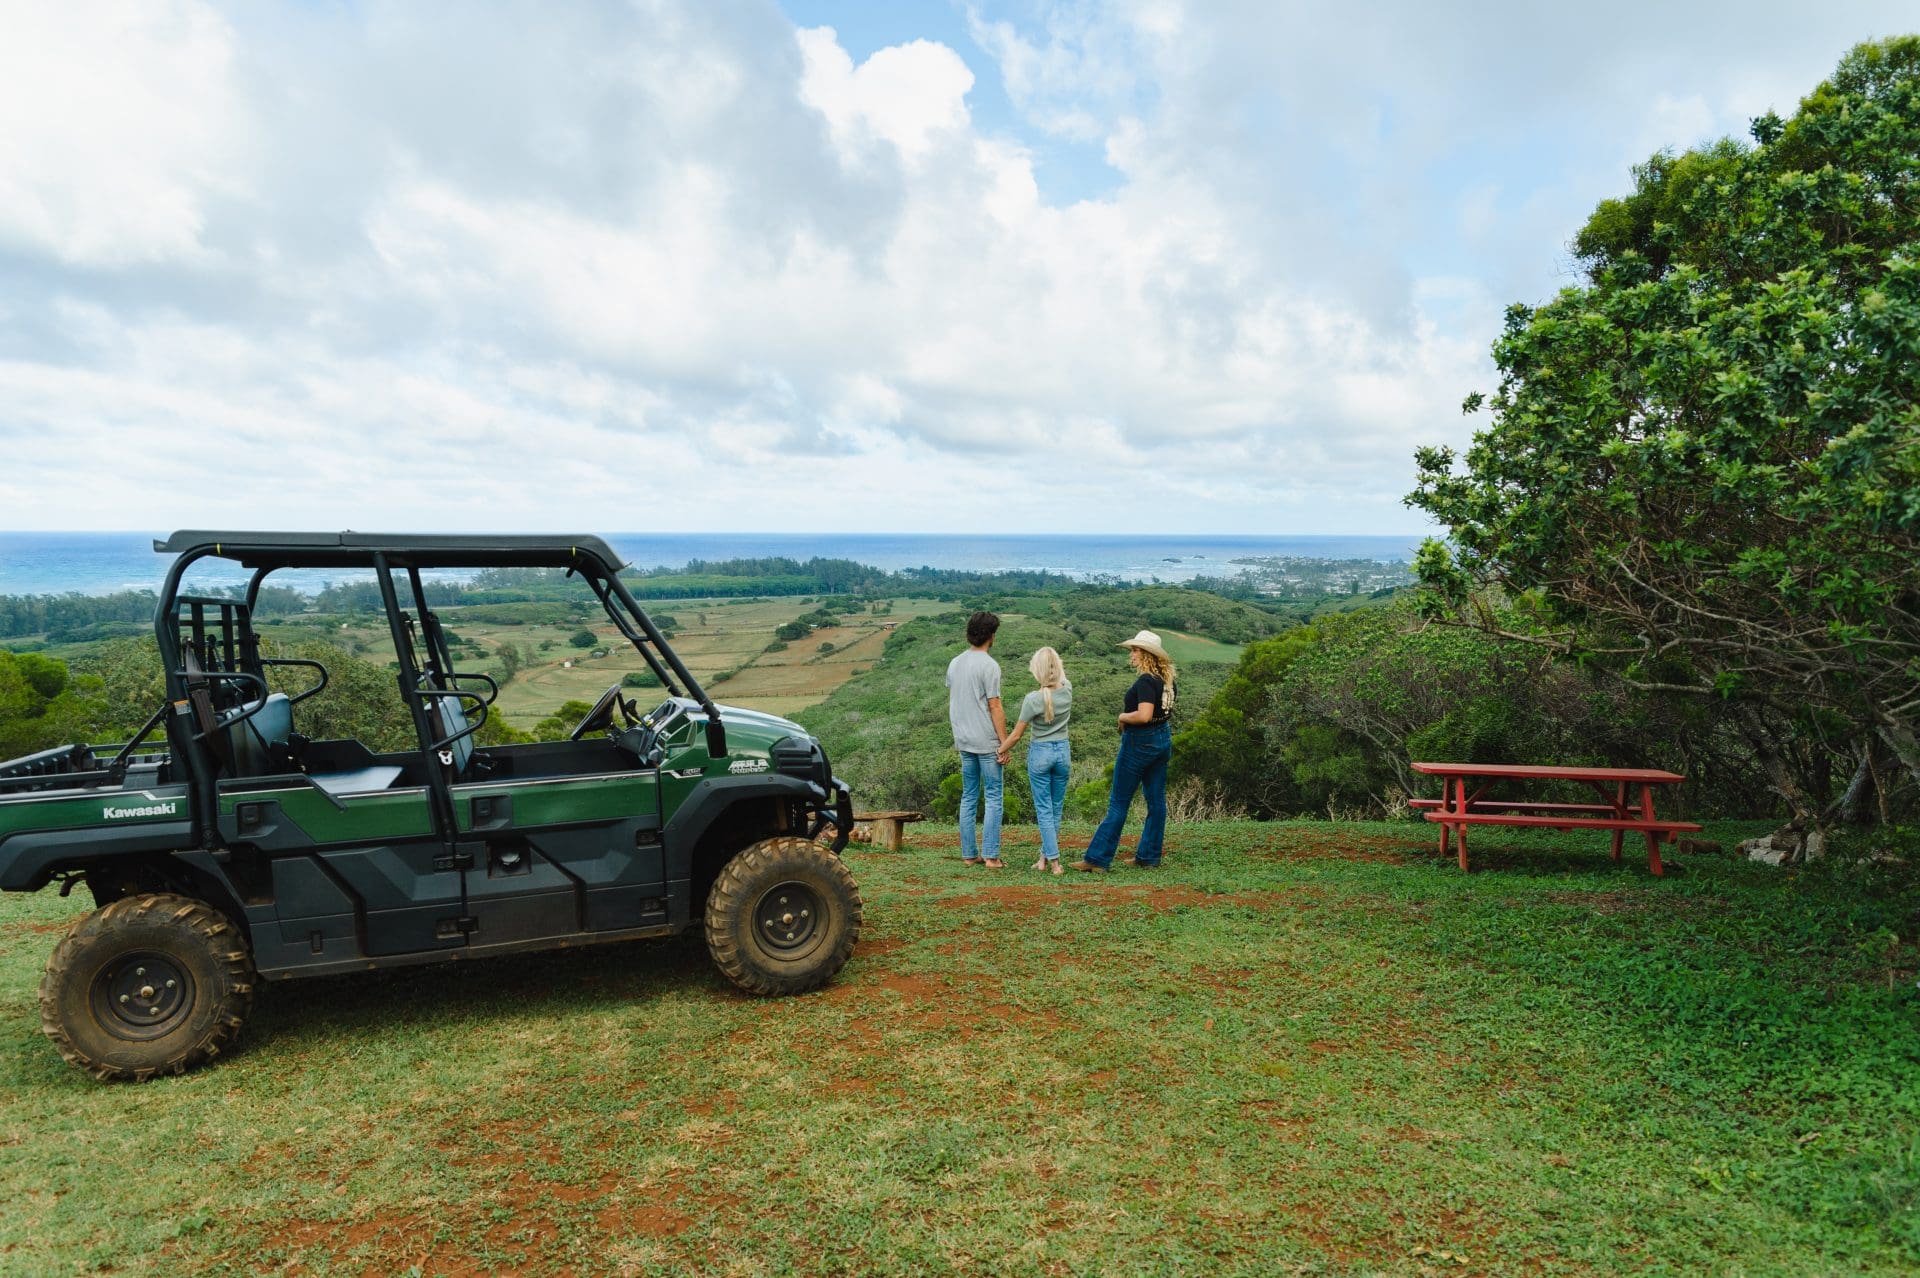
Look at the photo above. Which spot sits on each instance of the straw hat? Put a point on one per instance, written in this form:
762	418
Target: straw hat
1150	641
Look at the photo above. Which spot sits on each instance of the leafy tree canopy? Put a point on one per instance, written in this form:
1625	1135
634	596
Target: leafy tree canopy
1704	462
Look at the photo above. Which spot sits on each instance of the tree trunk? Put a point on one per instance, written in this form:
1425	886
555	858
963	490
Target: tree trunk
1779	772
1850	807
1906	748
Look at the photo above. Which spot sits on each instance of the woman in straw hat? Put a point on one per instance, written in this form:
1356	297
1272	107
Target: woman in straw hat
1146	742
1048	760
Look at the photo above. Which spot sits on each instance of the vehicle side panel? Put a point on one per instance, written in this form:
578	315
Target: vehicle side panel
379	850
40	834
556	857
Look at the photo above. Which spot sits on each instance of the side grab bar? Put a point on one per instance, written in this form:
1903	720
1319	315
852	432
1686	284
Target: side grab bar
471	728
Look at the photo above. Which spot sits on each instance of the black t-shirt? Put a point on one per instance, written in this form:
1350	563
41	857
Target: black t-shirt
1146	688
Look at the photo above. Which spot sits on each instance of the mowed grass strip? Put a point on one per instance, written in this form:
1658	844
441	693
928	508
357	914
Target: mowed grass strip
1302	1048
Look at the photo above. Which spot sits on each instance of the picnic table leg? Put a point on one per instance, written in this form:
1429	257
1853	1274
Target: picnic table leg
1653	836
1461	833
1619	810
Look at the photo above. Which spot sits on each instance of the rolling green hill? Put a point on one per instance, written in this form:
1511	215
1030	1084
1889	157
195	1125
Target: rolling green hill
887	729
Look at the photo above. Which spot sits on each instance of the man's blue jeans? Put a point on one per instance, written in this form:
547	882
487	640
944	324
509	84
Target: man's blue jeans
1142	765
980	772
1048	763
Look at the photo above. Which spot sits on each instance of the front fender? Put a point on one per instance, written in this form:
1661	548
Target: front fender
706	802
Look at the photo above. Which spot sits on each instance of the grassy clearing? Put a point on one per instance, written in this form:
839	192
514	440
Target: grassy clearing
711	636
1186	649
1299	1048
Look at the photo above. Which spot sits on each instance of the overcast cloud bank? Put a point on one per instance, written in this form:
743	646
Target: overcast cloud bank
678	265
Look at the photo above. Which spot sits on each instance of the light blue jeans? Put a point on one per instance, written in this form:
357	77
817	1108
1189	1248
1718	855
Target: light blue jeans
1048	763
980	772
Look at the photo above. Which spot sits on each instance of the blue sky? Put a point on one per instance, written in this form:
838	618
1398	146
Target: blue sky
1089	266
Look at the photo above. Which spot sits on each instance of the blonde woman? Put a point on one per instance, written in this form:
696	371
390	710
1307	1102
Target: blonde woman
1146	742
1047	708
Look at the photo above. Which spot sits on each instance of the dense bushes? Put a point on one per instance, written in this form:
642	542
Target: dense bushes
1329	717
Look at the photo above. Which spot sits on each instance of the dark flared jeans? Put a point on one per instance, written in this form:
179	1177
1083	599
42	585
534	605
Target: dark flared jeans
1142	765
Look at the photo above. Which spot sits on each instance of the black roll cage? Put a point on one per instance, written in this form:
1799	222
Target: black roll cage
421	684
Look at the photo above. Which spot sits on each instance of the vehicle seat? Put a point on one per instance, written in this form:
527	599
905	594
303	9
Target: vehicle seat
258	744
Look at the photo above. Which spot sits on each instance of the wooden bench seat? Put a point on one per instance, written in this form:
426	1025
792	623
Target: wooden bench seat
1516	805
885	830
1668	828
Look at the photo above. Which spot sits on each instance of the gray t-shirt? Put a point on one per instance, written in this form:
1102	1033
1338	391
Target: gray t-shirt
1033	709
973	679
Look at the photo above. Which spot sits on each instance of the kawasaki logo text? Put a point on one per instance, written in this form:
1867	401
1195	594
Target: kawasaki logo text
152	809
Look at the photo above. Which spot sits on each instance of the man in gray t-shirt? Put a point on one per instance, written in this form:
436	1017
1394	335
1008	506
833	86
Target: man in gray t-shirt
979	726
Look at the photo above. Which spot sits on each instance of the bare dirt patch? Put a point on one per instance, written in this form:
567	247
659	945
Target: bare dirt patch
649	1221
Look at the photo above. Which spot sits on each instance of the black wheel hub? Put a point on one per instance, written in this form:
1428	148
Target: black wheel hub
142	996
787	917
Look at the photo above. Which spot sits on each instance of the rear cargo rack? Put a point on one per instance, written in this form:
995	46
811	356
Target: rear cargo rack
79	767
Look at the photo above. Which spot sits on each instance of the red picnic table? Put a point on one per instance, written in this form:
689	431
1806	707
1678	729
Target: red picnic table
1626	806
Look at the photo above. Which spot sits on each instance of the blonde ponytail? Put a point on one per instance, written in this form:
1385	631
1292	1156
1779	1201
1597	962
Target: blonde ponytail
1048	671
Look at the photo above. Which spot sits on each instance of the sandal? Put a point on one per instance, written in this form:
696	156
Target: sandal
1054	865
972	860
994	863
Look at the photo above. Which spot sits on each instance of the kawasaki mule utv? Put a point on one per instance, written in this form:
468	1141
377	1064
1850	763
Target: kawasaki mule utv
235	848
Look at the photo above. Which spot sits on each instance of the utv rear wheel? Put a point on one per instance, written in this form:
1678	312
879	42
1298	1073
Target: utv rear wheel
152	984
783	917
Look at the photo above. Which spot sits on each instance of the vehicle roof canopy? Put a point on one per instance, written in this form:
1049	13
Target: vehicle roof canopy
403	550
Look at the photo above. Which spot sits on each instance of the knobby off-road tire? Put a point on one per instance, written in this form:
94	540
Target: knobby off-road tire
783	917
148	985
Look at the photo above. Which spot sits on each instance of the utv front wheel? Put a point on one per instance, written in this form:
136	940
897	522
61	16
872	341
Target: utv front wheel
783	917
153	984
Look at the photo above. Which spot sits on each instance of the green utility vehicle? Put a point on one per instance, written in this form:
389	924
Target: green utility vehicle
223	846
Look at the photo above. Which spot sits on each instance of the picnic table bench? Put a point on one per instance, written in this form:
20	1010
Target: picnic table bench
885	830
1626	804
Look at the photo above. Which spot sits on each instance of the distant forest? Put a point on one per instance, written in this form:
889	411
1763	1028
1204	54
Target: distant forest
79	618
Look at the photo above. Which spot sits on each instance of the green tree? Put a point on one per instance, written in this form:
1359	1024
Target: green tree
41	706
582	639
1703	466
362	700
557	726
1225	746
509	658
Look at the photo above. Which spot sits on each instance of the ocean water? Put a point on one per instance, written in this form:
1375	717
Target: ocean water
101	562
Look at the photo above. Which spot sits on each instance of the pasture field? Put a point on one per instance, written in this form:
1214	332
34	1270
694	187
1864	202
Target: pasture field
711	636
1305	1048
1186	649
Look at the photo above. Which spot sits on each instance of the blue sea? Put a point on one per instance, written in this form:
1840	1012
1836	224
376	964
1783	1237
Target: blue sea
101	562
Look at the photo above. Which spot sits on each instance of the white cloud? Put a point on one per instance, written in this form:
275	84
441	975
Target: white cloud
678	265
910	95
118	124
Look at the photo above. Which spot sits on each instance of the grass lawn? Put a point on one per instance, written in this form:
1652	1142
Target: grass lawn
1186	649
1301	1048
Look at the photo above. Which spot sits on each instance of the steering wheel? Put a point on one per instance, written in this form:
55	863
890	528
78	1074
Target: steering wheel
601	716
